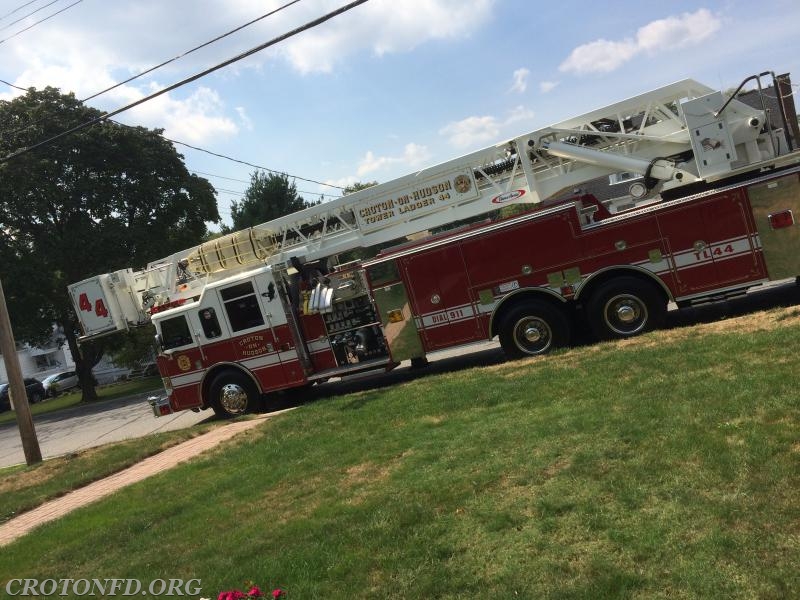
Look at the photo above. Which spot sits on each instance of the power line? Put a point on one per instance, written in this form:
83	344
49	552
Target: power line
236	160
196	172
13	86
240	193
19	8
231	192
218	155
209	42
249	164
196	147
219	176
188	80
41	21
29	14
230	158
166	62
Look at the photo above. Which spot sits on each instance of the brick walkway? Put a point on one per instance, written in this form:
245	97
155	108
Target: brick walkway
50	511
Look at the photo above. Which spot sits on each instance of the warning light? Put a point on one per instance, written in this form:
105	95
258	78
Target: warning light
781	220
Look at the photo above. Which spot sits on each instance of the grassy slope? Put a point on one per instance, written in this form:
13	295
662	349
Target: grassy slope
23	488
662	467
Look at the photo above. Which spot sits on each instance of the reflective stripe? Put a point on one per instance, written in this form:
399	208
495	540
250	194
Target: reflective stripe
446	317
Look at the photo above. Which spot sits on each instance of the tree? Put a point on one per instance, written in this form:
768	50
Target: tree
133	347
358	186
268	197
104	198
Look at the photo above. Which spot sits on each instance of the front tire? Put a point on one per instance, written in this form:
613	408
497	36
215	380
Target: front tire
231	394
625	307
532	329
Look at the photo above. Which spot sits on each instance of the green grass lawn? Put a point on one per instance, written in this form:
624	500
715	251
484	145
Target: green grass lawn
663	467
73	398
23	488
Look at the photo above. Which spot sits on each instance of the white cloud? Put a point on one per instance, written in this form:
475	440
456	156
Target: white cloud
547	86
520	80
197	118
677	32
471	131
602	56
384	27
479	131
414	156
519	114
84	52
599	56
85	66
247	122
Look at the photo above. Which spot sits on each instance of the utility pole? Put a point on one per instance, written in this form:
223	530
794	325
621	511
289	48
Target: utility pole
16	386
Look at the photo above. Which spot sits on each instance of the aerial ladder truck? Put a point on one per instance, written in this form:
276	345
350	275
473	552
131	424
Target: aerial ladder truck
706	209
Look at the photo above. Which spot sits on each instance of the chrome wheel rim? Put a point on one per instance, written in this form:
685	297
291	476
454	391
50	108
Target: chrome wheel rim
626	314
233	398
533	335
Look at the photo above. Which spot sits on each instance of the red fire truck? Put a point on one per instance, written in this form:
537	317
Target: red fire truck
710	187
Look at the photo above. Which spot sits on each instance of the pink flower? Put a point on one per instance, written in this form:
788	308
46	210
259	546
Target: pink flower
237	595
277	593
255	592
224	596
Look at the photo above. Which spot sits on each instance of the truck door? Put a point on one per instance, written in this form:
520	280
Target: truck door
254	342
439	289
291	350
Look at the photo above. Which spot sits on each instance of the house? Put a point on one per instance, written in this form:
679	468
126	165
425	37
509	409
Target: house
54	357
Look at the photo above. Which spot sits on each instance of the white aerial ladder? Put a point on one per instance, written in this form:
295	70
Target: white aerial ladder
676	135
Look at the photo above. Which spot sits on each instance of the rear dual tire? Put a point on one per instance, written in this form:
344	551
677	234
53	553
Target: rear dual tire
624	307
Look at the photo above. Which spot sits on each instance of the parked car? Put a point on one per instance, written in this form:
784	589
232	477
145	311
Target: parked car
33	387
59	382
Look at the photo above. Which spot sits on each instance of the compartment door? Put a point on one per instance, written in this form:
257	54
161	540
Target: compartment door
399	327
712	243
440	295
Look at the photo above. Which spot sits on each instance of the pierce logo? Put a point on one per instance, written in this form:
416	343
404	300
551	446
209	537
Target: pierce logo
508	197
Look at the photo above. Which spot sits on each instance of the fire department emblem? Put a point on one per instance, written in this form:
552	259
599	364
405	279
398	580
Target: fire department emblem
184	364
462	184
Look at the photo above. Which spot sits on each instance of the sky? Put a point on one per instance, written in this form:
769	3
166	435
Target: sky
385	89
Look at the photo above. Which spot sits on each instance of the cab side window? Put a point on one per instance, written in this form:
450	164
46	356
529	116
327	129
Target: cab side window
241	306
175	332
210	323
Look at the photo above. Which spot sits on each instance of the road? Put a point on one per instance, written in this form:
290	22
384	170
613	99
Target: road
83	427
